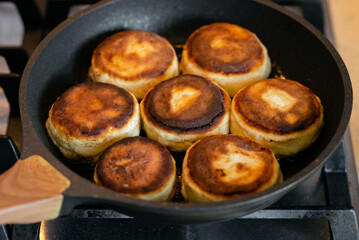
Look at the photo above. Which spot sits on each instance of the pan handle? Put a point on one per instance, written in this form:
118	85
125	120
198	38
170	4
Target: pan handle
31	191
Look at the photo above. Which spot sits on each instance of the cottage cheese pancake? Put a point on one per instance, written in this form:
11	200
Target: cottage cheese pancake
281	114
135	60
227	166
226	53
138	167
179	111
88	117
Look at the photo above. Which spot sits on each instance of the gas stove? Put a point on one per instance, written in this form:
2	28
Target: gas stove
325	206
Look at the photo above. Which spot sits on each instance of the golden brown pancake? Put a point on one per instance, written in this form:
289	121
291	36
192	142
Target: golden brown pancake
281	114
135	60
179	111
227	166
138	167
226	53
88	117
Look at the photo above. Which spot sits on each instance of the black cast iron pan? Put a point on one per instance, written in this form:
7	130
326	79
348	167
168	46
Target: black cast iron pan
296	47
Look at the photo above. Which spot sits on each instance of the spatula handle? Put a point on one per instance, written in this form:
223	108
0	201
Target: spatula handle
31	191
32	212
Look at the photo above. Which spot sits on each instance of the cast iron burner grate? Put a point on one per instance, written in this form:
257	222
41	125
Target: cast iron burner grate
323	207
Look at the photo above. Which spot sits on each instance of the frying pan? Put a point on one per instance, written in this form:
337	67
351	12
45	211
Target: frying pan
296	48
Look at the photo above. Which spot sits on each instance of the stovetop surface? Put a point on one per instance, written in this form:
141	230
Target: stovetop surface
323	207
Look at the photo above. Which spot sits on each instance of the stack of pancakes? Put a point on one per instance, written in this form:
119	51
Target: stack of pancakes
191	113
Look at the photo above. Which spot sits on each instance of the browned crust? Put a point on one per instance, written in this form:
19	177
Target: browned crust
88	109
225	48
135	165
210	179
201	115
154	63
257	113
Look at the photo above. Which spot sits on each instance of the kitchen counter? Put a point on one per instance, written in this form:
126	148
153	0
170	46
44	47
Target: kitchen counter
345	24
